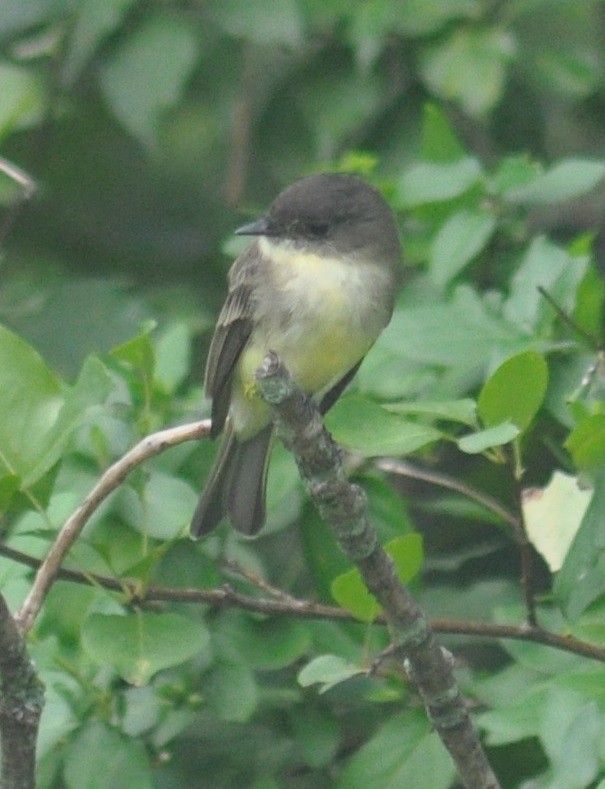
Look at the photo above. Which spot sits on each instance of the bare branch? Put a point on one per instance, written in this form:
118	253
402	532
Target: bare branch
526	556
282	604
28	187
405	469
147	448
566	318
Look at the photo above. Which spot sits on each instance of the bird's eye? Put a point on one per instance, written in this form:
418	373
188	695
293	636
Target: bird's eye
318	229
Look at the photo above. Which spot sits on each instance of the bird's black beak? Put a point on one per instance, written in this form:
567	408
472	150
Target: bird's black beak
259	228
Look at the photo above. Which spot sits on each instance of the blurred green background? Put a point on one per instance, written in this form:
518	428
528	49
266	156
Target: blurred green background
152	128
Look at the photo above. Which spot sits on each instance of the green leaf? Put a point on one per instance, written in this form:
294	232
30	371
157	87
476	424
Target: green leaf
491	437
335	104
464	410
317	734
439	141
404	752
173	356
469	67
571	73
139	645
327	670
568	179
513	173
530	655
19	18
463	236
462	332
553	516
419	17
387	375
374	21
147	74
514	721
138	353
268	644
369	27
582	577
9	485
385	507
101	757
284	491
515	392
590	301
276	644
90	390
548	266
571	730
95	21
350	591
567	721
21	98
142	711
164	508
408	554
232	691
59	719
363	426
586	442
433	182
259	21
30	402
93	386
80	306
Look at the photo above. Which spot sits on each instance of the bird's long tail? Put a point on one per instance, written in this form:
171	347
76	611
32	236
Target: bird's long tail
236	488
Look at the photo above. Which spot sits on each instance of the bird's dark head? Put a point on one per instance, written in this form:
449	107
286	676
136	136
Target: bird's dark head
331	212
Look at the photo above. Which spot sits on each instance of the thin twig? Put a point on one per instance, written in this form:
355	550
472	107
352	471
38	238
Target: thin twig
28	187
566	318
527	563
147	448
258	581
405	469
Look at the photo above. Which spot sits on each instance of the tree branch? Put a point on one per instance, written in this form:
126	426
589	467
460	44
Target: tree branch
282	604
47	572
343	507
21	704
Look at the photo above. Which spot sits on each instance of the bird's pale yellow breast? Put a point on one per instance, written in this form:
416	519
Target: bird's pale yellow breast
325	299
317	312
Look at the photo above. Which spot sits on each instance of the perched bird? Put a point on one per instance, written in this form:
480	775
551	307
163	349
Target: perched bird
316	286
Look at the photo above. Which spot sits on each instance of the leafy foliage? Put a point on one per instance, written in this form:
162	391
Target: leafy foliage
148	125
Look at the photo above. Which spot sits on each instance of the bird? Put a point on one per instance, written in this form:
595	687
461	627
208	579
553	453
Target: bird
316	287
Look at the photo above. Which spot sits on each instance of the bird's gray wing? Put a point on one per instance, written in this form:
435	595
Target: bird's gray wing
232	332
334	393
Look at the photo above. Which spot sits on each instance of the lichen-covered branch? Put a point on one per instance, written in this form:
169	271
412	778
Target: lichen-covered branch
343	507
21	704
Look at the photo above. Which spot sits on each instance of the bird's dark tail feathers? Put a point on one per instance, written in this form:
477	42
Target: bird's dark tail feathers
236	488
